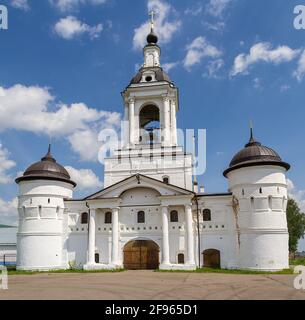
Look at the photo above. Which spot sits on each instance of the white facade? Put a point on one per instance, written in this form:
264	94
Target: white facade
148	201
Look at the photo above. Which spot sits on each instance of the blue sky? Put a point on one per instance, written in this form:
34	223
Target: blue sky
63	64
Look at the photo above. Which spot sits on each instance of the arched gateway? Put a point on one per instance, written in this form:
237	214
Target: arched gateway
141	255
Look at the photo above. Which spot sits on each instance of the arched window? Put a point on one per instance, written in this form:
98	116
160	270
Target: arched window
84	218
141	217
260	190
206	215
174	217
108	217
166	179
180	258
149	119
97	258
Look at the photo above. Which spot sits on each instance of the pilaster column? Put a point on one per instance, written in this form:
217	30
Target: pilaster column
115	236
126	124
91	240
165	238
166	129
131	120
174	123
190	234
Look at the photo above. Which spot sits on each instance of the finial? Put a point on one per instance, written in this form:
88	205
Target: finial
251	132
48	156
252	141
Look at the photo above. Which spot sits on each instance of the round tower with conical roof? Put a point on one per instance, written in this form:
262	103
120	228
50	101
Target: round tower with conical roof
42	219
258	183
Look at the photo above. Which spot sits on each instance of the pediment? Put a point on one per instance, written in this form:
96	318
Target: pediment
139	181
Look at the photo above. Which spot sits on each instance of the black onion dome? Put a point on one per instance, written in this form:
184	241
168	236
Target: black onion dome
152	38
160	75
46	169
255	154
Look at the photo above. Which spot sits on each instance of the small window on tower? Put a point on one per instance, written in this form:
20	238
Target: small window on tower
260	190
148	78
166	180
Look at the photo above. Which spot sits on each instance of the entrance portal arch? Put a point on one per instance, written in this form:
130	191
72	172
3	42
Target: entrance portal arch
141	255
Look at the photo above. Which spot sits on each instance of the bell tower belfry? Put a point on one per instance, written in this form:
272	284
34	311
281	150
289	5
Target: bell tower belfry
151	103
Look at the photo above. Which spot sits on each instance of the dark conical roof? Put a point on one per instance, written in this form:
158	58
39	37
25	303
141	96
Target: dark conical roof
255	154
160	75
46	169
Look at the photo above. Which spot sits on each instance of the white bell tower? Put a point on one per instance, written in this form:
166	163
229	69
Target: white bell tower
150	136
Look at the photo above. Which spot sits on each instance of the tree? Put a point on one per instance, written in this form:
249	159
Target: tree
296	224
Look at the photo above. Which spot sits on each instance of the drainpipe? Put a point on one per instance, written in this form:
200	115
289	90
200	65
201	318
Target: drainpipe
198	230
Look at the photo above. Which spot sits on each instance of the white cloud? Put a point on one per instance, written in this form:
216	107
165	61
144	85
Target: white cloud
296	194
35	111
218	26
169	66
194	11
70	5
5	165
86	179
8	212
20	4
217	7
200	48
163	27
70	27
213	68
263	52
300	72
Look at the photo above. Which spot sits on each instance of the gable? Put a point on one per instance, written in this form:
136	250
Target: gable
139	181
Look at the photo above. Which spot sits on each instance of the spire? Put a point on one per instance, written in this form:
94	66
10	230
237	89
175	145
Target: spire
252	141
48	156
152	38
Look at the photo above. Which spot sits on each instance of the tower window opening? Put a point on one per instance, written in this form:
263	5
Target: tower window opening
260	190
243	192
149	119
148	78
49	201
166	180
270	202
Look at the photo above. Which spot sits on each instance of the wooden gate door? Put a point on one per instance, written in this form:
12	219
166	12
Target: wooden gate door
141	255
211	258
